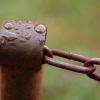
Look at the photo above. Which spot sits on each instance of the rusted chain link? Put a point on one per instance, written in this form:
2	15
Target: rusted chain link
88	68
91	62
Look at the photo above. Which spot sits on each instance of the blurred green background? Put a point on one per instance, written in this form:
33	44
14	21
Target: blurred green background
73	25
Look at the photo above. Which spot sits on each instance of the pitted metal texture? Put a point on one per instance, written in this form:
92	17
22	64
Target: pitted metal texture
22	41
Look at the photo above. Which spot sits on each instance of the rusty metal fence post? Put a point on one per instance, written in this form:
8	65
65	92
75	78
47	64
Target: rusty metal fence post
21	56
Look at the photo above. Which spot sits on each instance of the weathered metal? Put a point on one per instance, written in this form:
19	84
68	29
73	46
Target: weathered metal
91	62
21	58
68	66
88	68
22	53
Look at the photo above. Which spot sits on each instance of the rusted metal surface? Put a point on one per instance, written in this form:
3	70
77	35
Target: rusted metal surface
88	68
21	58
22	53
91	62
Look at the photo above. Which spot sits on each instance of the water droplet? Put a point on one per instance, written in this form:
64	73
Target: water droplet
30	22
19	22
40	28
9	36
8	26
28	36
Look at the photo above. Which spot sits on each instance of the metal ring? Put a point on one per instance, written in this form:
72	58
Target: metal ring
90	63
63	65
70	55
71	67
48	51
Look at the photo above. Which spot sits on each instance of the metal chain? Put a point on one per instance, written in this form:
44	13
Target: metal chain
88	68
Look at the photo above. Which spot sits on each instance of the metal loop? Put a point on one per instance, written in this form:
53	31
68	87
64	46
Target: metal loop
63	65
91	62
48	51
70	55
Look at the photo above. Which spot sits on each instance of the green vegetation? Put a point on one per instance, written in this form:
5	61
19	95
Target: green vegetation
73	25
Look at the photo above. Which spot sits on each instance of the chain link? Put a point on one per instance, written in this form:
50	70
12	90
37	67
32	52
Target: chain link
88	68
91	62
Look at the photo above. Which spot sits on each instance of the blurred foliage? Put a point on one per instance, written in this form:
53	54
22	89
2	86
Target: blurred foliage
73	25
